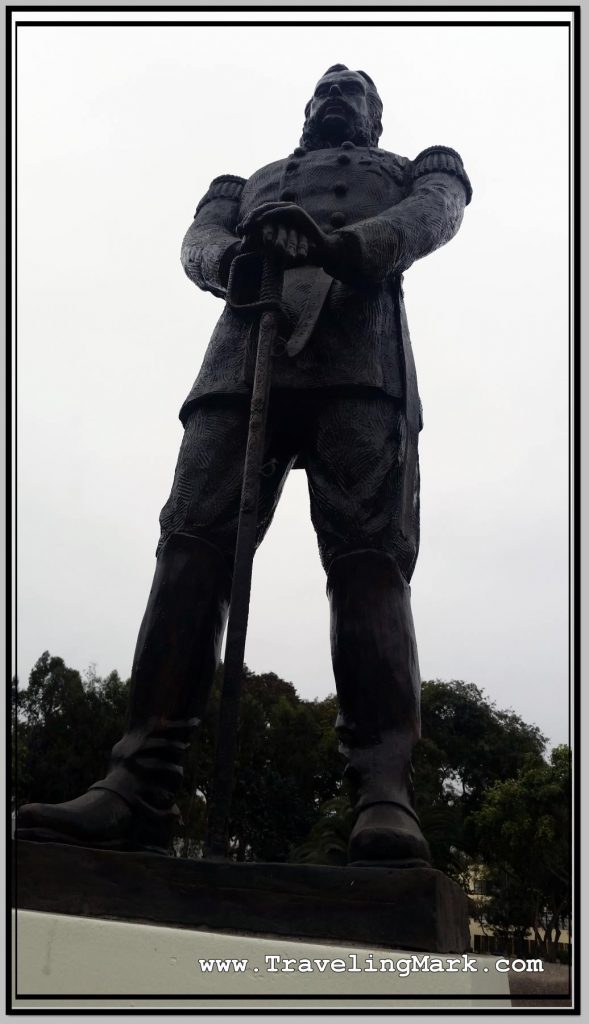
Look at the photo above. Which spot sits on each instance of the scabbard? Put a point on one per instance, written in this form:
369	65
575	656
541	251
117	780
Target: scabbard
217	836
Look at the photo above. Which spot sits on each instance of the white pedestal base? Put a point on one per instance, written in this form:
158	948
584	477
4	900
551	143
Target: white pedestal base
64	961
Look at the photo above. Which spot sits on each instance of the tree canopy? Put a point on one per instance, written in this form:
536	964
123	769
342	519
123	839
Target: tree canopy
467	745
66	727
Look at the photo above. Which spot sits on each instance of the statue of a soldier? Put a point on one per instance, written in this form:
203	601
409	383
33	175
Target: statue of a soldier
347	218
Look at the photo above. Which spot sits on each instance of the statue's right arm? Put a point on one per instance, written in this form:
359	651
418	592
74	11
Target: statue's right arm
211	242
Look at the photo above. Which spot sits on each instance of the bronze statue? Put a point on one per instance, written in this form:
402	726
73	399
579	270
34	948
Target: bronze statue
347	220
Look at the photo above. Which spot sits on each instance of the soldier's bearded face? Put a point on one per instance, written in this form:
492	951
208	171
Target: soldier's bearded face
339	108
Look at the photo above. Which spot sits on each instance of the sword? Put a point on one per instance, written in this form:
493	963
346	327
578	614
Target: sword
224	770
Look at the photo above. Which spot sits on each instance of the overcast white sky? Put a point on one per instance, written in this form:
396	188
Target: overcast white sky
120	131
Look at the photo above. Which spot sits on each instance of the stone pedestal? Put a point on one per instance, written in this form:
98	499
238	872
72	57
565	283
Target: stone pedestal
408	908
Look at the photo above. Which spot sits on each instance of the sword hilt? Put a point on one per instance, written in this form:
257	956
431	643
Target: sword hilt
272	282
255	283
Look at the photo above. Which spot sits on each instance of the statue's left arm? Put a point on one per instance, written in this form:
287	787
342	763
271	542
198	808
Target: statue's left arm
211	242
430	215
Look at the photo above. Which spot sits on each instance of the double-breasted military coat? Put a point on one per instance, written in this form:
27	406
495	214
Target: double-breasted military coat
348	332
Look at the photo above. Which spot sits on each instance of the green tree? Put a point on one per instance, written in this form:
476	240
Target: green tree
504	909
523	831
327	842
64	730
20	776
287	766
467	745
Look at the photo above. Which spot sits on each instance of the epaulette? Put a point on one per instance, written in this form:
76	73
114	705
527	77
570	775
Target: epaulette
226	186
398	167
442	158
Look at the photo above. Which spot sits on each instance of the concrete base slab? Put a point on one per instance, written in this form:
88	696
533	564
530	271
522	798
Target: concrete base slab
63	961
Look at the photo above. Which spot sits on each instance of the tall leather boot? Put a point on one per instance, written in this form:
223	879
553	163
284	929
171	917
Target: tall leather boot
177	653
378	684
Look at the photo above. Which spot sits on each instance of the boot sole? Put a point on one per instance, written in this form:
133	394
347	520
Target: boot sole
39	835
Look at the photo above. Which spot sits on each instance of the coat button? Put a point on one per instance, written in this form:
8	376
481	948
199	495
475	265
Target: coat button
299	151
343	158
348	145
292	165
338	219
340	188
288	196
